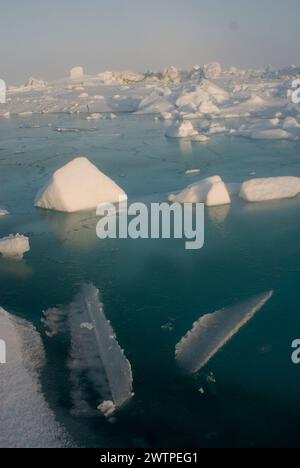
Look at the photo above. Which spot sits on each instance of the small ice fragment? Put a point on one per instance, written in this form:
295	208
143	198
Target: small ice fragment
211	332
87	325
14	246
192	171
3	212
107	408
94	116
183	129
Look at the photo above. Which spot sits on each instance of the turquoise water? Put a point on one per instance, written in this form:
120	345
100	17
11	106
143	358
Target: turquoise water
253	399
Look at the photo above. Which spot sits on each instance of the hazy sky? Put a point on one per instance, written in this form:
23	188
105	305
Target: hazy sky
45	39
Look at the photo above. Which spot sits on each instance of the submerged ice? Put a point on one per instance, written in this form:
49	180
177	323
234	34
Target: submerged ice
211	332
95	354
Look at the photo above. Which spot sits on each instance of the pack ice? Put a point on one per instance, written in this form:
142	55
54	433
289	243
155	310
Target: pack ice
212	191
14	246
78	186
213	331
26	420
272	188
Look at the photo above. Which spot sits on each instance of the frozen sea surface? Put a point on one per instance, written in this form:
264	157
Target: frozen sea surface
154	290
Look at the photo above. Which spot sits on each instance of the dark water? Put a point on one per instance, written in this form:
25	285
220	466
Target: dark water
253	397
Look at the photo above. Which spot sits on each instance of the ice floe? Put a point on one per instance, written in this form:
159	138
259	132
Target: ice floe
3	212
212	191
211	332
14	246
272	188
78	186
95	354
25	417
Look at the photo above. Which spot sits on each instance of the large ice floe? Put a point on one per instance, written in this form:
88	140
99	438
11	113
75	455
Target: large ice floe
211	332
26	420
212	191
272	188
14	246
78	186
95	354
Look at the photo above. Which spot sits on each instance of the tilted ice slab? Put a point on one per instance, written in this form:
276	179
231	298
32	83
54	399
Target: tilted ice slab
78	186
213	331
272	188
14	246
211	191
26	420
95	354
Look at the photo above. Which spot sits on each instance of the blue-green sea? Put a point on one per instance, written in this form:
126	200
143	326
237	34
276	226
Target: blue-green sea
153	290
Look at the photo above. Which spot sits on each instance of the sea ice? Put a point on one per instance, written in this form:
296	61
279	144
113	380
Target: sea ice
211	191
3	212
76	73
272	188
78	186
211	332
25	417
182	130
14	246
95	353
212	70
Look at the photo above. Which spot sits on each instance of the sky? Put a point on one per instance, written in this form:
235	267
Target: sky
44	39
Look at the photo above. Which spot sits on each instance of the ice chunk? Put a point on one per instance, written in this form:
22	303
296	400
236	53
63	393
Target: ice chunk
274	134
76	73
272	188
34	83
182	130
213	331
14	246
78	186
212	70
211	191
3	212
95	353
171	75
25	417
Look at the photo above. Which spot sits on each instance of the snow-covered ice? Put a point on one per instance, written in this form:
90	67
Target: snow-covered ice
26	420
14	246
76	73
211	332
212	191
182	130
78	186
272	188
